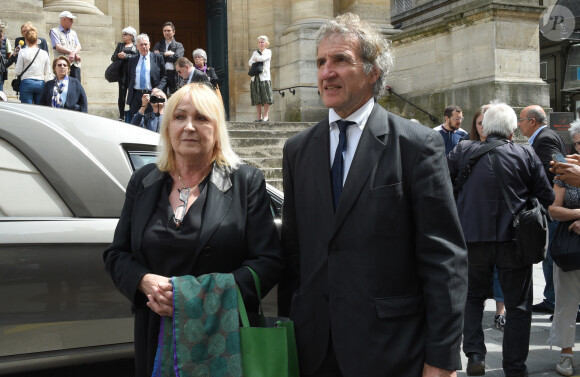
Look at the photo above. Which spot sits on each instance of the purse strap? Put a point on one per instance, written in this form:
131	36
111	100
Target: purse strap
486	147
242	307
29	64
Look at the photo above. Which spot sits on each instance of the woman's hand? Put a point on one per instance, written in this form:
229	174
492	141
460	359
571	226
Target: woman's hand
159	292
121	55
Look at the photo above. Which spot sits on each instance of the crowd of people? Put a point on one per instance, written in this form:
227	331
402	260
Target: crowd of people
139	72
393	235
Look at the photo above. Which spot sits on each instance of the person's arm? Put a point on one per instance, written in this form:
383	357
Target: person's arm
557	209
178	53
117	51
545	150
126	271
163	76
46	96
568	172
19	63
441	256
252	61
266	55
138	119
47	66
290	279
82	102
213	78
264	255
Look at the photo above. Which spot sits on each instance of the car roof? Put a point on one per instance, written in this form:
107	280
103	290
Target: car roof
84	157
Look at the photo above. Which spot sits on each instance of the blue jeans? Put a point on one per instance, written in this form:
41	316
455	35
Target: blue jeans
31	91
1	85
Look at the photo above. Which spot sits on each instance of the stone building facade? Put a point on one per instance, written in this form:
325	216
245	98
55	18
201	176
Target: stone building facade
446	51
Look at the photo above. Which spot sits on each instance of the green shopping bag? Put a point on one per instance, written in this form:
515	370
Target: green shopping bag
270	349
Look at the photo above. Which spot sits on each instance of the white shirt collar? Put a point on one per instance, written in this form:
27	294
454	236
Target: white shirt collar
359	117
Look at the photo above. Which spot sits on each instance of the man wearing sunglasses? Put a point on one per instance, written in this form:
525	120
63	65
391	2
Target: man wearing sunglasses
451	130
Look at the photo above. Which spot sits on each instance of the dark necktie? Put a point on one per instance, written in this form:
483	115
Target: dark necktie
338	163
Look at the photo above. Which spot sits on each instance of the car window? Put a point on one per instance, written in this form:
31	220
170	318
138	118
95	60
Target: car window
141	158
24	192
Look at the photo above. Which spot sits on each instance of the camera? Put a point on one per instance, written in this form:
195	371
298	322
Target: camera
156	99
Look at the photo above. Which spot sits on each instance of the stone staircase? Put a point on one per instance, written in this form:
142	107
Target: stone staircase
260	145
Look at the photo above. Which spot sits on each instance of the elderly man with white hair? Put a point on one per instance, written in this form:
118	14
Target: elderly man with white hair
146	72
65	42
487	226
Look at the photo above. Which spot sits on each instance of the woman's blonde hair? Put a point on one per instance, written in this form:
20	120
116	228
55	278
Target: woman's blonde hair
265	39
210	106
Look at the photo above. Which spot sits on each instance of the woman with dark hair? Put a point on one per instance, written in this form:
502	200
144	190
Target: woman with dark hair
124	51
64	91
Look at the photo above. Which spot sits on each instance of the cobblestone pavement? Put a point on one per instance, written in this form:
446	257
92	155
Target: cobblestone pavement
541	359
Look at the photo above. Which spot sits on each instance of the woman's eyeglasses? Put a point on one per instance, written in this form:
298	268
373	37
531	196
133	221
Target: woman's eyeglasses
576	144
62	65
180	210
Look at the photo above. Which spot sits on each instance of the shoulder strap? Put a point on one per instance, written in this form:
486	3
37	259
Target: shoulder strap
29	64
479	152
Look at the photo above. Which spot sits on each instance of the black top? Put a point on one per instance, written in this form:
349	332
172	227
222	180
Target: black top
169	249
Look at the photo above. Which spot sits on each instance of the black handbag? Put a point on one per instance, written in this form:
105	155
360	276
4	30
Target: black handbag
531	223
16	82
114	71
256	68
565	247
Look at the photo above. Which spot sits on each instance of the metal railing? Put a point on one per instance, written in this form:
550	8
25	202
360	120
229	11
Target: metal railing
433	118
292	90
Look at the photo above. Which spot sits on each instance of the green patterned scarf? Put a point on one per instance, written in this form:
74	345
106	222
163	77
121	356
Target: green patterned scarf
203	336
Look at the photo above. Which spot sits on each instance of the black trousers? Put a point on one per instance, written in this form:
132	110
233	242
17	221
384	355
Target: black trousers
122	98
75	72
516	283
171	76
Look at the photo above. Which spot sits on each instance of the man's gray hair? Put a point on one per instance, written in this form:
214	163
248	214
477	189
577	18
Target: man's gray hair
141	36
574	128
375	48
199	52
499	119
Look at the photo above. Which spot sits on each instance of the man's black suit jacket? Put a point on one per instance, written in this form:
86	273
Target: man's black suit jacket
385	277
76	98
156	73
546	143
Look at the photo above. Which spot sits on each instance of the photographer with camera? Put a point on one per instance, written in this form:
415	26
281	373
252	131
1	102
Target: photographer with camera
151	120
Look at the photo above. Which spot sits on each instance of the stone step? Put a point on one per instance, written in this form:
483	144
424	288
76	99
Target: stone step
271	142
284	126
264	162
259	134
258	152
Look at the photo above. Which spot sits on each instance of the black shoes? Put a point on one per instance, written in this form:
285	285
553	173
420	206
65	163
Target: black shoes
542	308
475	364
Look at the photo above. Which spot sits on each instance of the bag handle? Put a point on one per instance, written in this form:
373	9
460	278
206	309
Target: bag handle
242	307
486	147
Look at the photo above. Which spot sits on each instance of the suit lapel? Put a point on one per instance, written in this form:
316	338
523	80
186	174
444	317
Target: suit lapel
148	197
320	160
367	154
217	205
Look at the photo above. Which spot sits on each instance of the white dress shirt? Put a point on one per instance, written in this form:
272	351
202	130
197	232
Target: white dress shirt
353	133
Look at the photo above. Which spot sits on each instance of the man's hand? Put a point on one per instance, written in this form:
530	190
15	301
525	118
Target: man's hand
169	53
144	103
431	371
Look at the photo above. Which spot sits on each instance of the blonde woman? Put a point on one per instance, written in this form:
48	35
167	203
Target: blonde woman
261	86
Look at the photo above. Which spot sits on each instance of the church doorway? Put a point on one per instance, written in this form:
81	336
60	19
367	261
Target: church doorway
198	24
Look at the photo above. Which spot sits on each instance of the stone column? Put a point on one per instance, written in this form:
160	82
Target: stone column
297	56
74	6
377	12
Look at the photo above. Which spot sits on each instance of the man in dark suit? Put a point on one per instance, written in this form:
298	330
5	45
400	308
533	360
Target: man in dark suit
188	74
546	142
171	50
376	280
146	72
487	223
